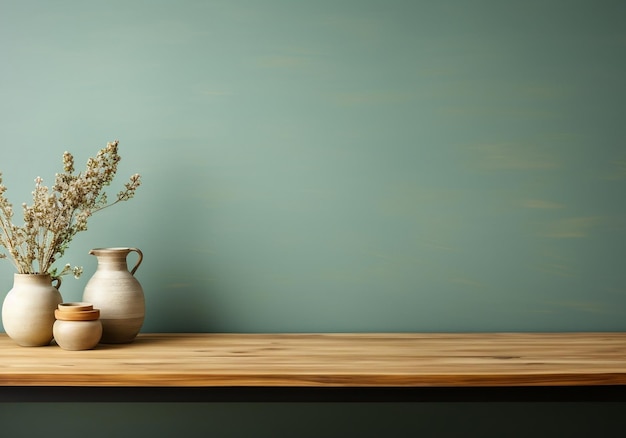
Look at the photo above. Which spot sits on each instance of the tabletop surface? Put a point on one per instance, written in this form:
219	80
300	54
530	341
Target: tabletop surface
326	360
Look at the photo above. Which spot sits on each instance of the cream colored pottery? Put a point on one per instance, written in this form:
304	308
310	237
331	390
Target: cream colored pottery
117	293
28	309
77	335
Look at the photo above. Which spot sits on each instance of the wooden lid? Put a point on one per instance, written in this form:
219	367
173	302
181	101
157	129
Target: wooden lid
75	307
85	315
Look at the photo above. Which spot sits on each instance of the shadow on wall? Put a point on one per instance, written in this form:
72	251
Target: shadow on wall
177	280
179	302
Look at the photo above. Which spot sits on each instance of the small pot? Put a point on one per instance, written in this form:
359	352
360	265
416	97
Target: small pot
77	326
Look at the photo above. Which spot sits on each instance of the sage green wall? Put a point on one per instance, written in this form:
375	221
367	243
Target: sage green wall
337	165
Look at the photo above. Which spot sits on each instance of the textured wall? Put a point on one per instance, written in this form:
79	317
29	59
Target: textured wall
337	165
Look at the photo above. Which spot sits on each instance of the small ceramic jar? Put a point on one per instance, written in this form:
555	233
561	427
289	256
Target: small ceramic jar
77	326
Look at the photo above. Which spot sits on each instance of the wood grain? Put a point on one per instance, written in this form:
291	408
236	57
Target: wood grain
326	360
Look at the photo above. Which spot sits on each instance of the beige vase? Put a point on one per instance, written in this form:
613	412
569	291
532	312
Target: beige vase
116	292
28	309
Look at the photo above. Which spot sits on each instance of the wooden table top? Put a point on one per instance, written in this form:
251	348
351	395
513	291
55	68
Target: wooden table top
326	360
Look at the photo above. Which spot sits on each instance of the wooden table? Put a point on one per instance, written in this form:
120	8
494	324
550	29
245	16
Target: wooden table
311	367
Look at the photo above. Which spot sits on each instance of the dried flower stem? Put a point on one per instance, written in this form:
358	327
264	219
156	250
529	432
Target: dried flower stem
54	218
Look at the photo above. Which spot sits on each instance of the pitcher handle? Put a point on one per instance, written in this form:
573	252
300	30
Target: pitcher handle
140	254
58	280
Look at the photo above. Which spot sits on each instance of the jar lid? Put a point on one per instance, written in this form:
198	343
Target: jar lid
84	315
75	307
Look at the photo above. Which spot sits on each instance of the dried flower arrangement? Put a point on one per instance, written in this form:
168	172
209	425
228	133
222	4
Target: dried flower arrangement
54	218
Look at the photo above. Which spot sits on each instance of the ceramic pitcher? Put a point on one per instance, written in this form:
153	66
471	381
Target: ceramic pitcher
116	292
